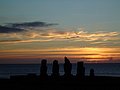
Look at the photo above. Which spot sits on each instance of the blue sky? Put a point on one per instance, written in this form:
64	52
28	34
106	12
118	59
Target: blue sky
67	13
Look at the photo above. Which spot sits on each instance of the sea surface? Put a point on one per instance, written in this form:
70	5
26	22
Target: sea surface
100	69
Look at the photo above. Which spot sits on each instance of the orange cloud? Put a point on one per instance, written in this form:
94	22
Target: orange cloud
56	35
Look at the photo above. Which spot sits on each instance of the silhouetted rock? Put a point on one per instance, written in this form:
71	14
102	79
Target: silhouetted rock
43	69
92	73
55	69
80	70
67	68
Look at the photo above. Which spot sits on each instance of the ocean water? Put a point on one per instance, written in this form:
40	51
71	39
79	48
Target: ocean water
100	69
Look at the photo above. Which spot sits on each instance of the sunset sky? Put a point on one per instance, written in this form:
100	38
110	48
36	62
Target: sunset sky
82	30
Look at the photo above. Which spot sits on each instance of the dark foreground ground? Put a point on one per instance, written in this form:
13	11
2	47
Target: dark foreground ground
61	83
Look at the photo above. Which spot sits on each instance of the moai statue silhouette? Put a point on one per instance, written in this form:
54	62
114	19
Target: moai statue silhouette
55	69
92	73
43	69
67	67
80	70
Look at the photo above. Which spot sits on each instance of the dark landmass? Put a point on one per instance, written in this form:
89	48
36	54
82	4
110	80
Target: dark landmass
32	82
57	82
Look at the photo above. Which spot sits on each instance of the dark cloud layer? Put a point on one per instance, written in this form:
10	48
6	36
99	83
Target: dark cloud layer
19	27
4	29
30	24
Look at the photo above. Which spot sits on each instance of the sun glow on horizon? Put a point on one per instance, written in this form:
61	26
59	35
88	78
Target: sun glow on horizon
88	54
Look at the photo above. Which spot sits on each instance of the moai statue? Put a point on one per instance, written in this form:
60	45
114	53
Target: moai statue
55	69
80	70
43	69
92	73
67	68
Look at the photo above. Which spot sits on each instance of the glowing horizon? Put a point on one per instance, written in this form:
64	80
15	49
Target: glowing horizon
77	54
